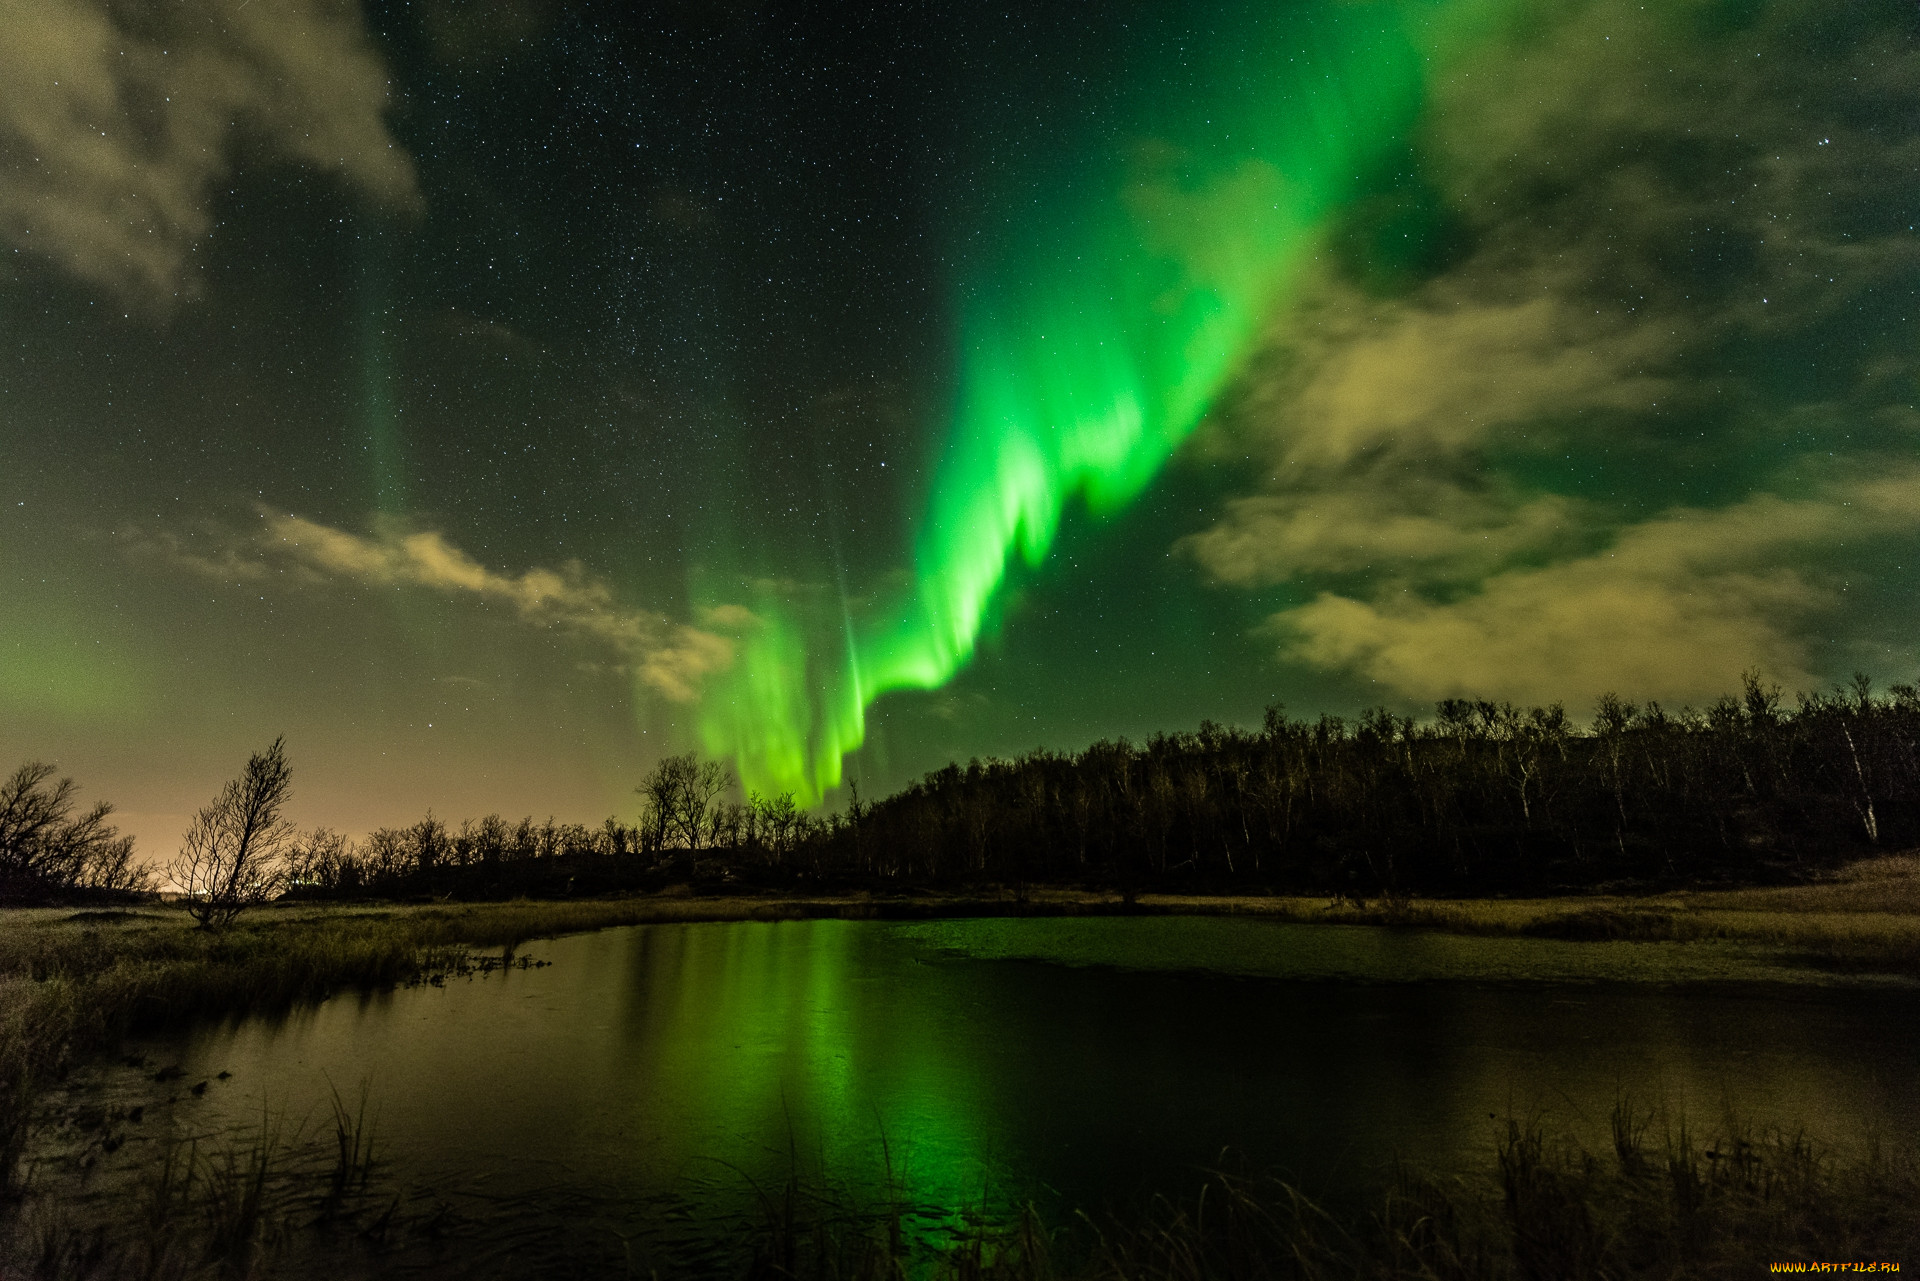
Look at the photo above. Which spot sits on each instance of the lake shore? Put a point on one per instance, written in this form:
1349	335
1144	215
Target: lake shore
74	982
1865	916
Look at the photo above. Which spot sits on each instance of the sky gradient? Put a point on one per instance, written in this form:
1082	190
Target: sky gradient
491	397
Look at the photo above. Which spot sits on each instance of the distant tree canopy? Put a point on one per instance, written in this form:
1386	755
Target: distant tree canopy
49	851
686	825
1486	797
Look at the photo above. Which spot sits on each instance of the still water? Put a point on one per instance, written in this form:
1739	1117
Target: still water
621	1102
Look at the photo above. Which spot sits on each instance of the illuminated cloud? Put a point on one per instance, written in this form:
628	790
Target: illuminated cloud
1445	529
1675	608
670	658
1450	368
117	121
1480	477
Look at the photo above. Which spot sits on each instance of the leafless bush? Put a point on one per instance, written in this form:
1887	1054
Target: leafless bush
235	853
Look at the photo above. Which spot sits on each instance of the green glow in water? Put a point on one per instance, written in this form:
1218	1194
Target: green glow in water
745	1033
1094	337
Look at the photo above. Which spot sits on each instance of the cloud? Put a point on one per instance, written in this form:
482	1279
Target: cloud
672	658
117	120
668	657
1445	529
1670	253
1377	419
208	550
1675	608
1448	368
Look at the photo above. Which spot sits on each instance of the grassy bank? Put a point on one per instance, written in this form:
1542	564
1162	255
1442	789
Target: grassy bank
1865	917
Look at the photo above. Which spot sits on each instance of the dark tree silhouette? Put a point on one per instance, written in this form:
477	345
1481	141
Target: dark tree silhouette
681	796
48	850
235	853
1484	798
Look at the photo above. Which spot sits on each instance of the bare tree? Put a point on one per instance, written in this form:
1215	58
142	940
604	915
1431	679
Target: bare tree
45	847
682	795
319	858
702	783
235	852
660	797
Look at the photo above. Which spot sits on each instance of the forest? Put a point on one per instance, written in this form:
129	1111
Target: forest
1484	798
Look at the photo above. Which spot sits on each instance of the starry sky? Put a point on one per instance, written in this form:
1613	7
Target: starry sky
493	395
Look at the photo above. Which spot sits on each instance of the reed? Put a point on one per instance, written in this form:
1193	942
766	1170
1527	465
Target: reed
234	1197
213	1210
352	1146
1659	1201
1662	1204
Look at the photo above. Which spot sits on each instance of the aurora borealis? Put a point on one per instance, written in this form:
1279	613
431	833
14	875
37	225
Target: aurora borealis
1093	340
491	396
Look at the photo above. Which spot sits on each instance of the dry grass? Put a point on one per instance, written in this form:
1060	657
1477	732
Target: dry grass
1865	917
1666	1202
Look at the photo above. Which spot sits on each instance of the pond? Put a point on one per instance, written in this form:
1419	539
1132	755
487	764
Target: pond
619	1105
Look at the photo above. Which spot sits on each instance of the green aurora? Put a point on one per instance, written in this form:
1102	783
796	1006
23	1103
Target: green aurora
492	398
1094	338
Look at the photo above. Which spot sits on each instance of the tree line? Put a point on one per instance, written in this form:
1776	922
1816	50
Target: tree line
688	825
1484	798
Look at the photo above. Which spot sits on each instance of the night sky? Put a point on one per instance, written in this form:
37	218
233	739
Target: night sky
493	395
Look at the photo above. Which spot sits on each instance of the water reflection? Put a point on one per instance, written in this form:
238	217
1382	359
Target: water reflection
634	1093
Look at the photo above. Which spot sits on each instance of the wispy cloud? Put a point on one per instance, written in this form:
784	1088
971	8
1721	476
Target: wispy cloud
1437	527
1675	608
1446	369
1481	478
669	657
117	120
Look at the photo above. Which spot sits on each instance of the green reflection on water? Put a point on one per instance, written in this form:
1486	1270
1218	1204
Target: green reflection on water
757	1031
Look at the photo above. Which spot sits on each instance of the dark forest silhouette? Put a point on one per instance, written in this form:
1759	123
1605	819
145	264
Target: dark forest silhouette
1485	798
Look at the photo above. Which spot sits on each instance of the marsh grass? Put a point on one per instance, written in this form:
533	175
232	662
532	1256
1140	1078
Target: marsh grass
1863	918
1662	1203
352	1146
205	1209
